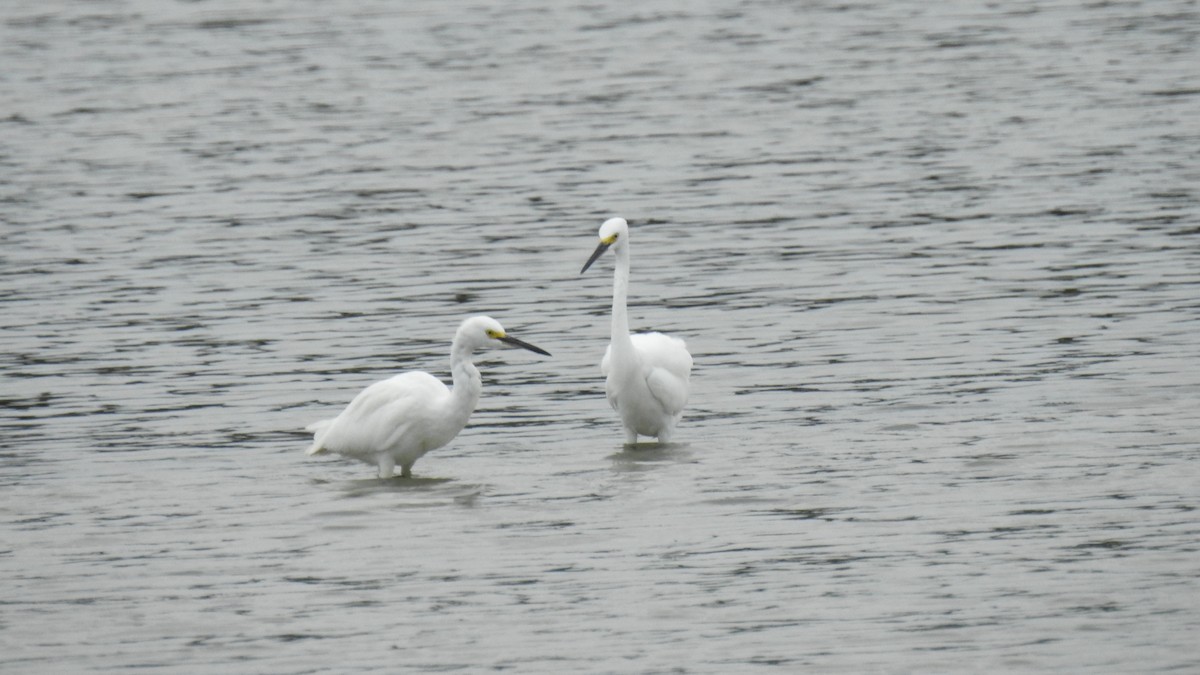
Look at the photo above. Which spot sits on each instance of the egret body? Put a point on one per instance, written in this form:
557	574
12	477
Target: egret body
397	420
647	373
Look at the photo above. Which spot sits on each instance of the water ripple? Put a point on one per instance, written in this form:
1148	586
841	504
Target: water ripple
935	265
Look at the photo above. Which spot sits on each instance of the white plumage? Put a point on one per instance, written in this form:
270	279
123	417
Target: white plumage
647	373
397	420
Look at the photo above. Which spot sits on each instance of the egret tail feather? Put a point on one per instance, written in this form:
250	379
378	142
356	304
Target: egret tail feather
318	430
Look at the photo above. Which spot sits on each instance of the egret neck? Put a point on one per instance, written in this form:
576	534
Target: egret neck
467	383
621	342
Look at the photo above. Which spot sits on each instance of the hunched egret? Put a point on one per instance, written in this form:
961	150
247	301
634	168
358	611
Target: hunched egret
397	420
647	373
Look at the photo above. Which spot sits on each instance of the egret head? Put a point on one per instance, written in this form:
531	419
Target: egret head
613	230
478	332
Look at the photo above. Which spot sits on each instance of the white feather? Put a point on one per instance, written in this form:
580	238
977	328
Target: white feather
646	374
397	420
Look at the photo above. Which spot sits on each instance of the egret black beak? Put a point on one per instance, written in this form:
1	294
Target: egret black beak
595	254
523	345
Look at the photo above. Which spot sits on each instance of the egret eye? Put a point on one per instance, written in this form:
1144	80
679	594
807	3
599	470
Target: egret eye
494	334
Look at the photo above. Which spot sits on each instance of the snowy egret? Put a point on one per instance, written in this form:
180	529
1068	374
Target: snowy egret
647	373
397	420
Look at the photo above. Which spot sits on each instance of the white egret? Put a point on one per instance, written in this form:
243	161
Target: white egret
647	373
397	420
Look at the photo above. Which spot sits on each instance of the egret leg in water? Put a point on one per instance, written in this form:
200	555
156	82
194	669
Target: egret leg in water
647	373
399	419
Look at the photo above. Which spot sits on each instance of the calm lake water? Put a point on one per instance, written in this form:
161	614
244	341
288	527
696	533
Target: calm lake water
938	265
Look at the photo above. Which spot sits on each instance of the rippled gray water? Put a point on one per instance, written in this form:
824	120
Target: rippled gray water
937	263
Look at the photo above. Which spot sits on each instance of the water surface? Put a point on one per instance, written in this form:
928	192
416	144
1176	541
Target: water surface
937	265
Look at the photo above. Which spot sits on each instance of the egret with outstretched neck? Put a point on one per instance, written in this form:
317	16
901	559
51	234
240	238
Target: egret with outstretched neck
397	420
647	373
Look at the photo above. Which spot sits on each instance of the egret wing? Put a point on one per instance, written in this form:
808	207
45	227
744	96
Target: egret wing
668	368
605	369
670	391
664	351
379	415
